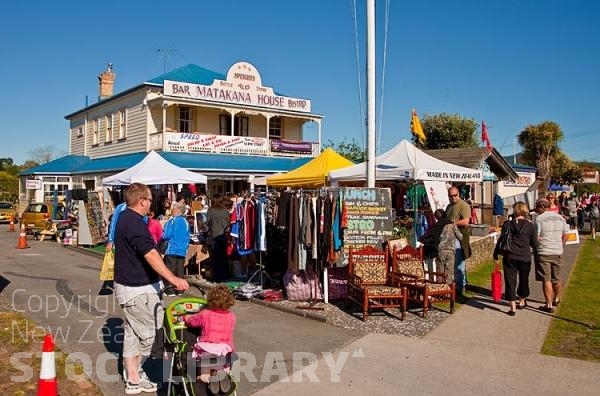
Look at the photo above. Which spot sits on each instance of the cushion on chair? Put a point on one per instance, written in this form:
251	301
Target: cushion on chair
412	267
371	271
438	287
375	290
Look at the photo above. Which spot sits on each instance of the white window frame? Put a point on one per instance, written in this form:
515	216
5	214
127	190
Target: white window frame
108	128
185	125
123	124
275	126
95	131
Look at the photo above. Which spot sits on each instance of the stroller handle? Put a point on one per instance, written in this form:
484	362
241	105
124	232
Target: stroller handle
171	287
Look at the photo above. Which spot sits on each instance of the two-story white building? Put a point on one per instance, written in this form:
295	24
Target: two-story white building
230	127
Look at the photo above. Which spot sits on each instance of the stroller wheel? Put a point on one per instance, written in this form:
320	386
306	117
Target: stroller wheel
195	387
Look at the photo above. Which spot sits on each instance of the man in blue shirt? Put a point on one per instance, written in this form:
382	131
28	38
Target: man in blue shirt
138	270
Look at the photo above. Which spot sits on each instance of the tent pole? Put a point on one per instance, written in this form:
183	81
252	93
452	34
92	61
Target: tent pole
415	210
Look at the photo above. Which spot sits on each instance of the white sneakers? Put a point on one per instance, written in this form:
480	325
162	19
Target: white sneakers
145	385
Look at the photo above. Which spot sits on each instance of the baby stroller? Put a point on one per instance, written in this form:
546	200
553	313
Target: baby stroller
179	341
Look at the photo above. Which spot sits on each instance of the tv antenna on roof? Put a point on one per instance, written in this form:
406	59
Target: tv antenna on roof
166	56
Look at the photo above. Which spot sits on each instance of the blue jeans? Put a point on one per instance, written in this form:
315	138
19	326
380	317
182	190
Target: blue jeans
460	270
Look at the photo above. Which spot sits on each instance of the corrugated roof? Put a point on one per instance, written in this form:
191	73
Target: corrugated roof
471	157
62	165
189	73
213	163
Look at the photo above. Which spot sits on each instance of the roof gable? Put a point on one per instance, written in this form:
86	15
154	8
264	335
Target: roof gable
472	157
192	74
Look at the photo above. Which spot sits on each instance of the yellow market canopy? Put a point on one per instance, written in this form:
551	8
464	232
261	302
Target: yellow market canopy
313	174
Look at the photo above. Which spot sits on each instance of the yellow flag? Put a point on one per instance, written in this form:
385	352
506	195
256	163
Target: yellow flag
416	128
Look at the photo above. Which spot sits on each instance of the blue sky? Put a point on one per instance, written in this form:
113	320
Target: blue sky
510	63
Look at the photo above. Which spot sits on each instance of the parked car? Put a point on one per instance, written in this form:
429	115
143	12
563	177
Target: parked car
36	216
7	209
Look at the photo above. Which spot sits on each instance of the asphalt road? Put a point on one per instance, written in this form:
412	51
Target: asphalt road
58	288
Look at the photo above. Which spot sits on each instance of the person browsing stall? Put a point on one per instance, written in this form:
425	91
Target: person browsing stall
138	269
154	227
113	225
459	212
177	232
218	222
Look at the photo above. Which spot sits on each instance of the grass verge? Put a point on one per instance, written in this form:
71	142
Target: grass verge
20	357
575	330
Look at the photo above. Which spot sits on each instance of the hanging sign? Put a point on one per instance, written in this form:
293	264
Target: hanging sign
370	217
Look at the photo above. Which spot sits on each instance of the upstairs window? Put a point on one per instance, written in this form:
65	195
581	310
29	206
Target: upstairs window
275	128
108	128
95	131
185	119
241	126
122	124
224	124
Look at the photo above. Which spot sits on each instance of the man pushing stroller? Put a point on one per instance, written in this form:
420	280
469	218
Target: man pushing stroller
138	270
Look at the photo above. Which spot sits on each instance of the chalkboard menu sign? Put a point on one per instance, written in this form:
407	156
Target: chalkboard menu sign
370	219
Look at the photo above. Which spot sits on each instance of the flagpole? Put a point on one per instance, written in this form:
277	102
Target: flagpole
371	93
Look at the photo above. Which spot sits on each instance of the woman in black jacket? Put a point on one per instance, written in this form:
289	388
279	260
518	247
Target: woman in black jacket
517	260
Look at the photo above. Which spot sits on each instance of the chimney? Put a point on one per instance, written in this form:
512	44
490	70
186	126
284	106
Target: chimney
107	82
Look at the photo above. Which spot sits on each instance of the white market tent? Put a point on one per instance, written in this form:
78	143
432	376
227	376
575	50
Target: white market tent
152	170
405	161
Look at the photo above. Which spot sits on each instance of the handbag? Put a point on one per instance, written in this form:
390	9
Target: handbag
505	240
338	283
162	246
303	286
107	271
496	283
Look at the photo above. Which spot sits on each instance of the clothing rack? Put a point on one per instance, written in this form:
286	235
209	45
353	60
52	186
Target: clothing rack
261	272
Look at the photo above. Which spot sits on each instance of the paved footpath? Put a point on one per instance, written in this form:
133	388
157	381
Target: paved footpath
478	350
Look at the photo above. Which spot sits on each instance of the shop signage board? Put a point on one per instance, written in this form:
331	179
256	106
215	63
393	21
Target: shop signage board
33	184
243	86
196	142
370	217
524	180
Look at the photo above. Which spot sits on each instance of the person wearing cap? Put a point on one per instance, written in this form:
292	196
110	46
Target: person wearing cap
552	230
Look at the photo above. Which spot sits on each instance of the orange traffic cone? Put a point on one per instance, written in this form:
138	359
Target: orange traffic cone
47	386
22	244
11	226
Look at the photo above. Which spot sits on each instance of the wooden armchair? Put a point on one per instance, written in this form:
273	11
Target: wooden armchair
423	286
370	282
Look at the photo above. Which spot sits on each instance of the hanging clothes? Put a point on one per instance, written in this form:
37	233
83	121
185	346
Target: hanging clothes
293	225
261	224
315	228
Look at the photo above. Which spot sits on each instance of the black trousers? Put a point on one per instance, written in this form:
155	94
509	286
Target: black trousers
176	264
514	269
218	259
